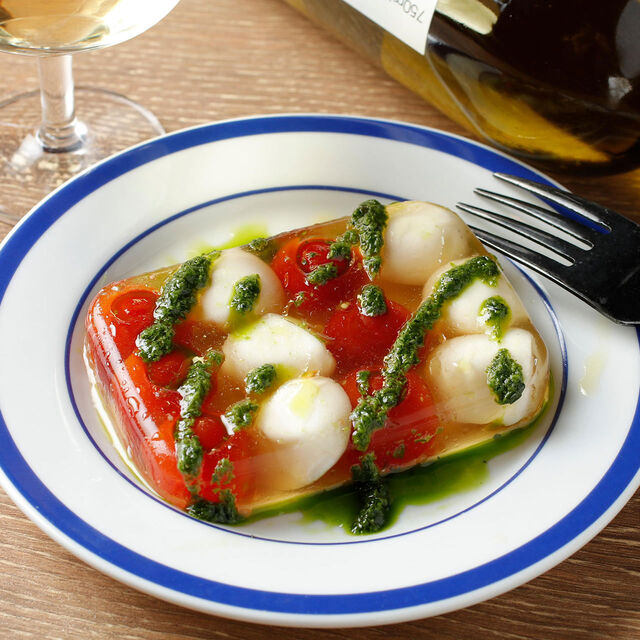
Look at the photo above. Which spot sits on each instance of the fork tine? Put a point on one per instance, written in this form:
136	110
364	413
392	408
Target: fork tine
603	216
553	218
543	238
535	261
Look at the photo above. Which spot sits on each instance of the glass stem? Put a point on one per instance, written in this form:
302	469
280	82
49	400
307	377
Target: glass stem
59	131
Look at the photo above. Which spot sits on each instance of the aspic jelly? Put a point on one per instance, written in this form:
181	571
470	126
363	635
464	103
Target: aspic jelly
329	355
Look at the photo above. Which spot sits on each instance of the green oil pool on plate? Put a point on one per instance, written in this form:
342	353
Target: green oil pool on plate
460	472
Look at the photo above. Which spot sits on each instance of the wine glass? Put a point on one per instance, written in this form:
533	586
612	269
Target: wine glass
42	156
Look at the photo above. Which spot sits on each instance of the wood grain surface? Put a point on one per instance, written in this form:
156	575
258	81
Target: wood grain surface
213	60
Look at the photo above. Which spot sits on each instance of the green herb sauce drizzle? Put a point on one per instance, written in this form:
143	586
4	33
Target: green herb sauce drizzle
371	412
340	248
505	378
399	451
322	274
245	294
264	248
495	313
223	473
371	301
367	223
176	299
241	413
258	380
193	391
223	511
424	484
362	381
370	221
373	495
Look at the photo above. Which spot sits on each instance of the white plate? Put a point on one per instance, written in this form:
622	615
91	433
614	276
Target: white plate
154	204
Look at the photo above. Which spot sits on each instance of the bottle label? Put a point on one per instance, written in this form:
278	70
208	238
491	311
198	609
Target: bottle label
407	20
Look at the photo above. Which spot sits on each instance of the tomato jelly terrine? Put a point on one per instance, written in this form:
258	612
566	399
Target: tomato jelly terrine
334	354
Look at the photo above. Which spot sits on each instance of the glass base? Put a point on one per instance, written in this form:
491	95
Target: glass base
110	123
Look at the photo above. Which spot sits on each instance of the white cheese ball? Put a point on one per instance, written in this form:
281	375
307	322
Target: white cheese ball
308	418
458	373
461	315
278	341
231	266
420	237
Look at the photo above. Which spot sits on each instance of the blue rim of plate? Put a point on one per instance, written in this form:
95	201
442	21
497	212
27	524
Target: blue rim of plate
39	500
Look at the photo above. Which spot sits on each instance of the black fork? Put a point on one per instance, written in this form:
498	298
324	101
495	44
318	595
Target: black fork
604	264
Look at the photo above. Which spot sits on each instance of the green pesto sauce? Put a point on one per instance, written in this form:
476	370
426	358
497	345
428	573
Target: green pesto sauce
367	225
398	452
245	294
371	301
505	378
198	383
457	473
188	449
322	274
370	220
264	248
177	297
258	380
193	391
373	497
362	381
241	413
222	512
495	313
299	299
340	248
371	412
223	473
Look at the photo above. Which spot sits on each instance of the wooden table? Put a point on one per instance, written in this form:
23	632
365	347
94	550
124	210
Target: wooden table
212	60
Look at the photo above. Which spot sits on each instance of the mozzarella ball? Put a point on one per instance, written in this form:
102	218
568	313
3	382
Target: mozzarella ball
308	418
420	237
462	314
231	266
278	341
458	374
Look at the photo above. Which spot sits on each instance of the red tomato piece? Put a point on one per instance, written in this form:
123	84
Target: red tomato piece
243	480
170	370
151	416
210	431
162	405
131	311
358	341
314	253
212	404
409	435
135	306
197	336
296	259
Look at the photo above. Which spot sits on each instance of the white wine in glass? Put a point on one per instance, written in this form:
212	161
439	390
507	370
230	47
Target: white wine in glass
66	26
42	156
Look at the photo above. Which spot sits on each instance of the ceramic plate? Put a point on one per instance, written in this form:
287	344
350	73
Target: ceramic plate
155	205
